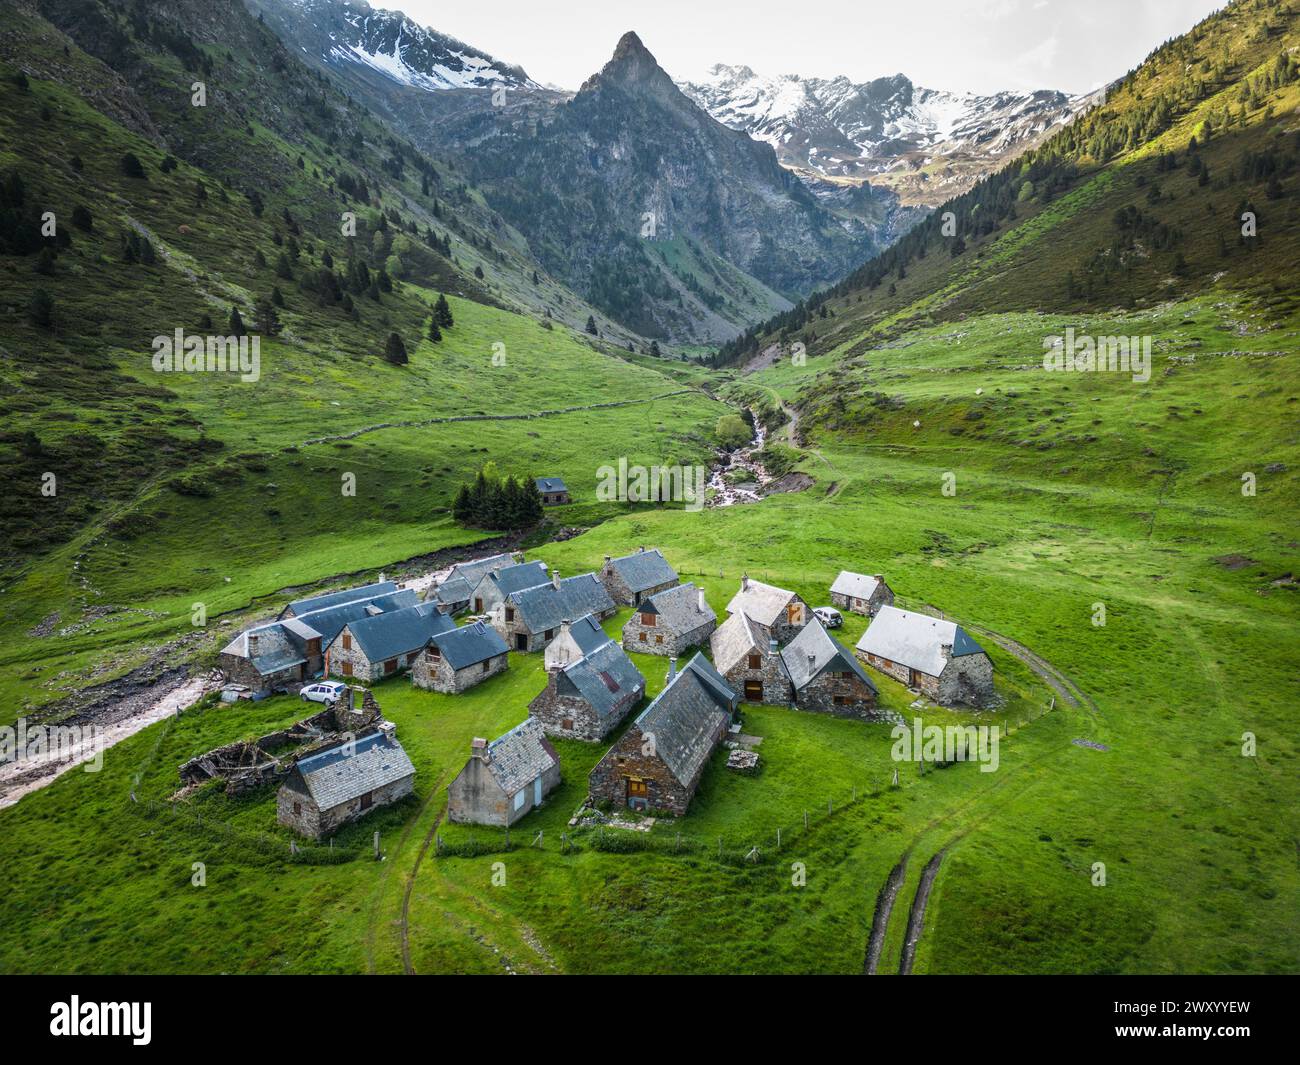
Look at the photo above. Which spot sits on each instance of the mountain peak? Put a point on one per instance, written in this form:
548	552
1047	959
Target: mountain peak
630	65
629	45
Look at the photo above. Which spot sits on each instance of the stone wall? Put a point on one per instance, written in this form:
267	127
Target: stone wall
966	679
882	596
627	758
855	698
660	640
572	718
622	594
240	670
295	809
476	798
771	673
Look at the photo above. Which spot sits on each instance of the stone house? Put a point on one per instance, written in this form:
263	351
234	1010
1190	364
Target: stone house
657	763
552	490
378	645
587	697
780	613
750	662
826	677
284	654
298	607
504	779
860	593
493	588
935	657
530	619
633	577
344	782
670	621
459	658
454	592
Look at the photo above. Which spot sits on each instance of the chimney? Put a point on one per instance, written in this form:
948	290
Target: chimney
252	645
704	605
641	547
381	577
478	748
555	579
812	661
744	582
672	671
517	557
389	730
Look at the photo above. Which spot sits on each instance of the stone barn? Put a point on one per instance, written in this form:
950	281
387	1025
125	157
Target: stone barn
379	645
780	613
634	577
657	763
552	490
453	592
750	661
670	621
826	677
343	782
504	779
860	593
530	619
456	660
935	657
587	697
493	588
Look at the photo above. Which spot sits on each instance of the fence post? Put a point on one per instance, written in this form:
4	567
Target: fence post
855	793
805	820
377	856
778	839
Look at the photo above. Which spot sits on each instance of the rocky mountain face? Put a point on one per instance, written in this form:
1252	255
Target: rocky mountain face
926	144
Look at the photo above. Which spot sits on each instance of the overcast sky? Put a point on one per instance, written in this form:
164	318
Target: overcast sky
974	45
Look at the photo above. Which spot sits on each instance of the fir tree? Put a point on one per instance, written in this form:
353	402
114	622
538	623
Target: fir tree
395	350
442	312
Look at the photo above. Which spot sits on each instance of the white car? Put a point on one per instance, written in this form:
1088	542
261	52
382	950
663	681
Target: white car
829	616
324	692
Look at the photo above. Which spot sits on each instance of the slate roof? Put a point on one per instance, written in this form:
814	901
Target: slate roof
329	622
334	776
857	585
734	639
471	644
588	634
915	640
458	586
762	602
517	578
827	653
545	607
520	756
319	602
644	569
396	632
678	608
455	589
687	717
603	678
549	484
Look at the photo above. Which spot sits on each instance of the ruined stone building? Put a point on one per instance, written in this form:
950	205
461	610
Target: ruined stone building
750	661
657	763
826	677
504	779
934	657
669	622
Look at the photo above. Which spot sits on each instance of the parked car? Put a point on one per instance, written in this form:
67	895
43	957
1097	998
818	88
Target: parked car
324	692
829	616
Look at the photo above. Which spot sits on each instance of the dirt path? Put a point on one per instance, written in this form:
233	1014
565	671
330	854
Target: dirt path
880	919
916	919
407	967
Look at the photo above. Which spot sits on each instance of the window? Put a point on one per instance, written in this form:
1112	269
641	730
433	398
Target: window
510	613
567	724
297	808
367	800
519	798
659	639
841	700
347	669
642	637
649	620
347	641
434	652
390	666
478	605
794	613
487	666
550	634
637	789
755	661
